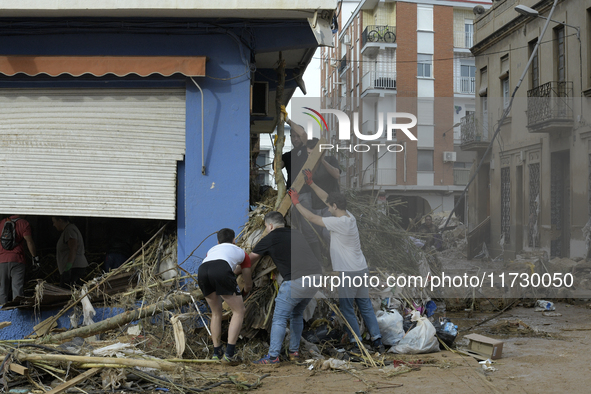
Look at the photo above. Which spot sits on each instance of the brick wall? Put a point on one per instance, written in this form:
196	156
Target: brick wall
444	106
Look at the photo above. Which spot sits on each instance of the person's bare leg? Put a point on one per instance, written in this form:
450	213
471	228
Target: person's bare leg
215	304
237	306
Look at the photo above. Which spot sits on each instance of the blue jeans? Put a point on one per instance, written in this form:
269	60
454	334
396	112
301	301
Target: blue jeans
350	294
292	309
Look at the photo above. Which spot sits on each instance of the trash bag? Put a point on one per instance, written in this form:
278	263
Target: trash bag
390	327
322	333
420	339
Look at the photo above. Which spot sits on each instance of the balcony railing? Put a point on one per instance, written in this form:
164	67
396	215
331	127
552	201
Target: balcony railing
472	130
378	80
467	85
374	33
461	176
550	103
343	64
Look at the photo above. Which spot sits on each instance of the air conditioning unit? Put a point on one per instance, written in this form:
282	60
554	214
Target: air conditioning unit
449	157
346	39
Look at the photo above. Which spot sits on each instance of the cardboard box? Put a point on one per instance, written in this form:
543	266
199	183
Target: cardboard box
485	346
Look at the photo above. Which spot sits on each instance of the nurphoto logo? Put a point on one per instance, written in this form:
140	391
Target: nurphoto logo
344	130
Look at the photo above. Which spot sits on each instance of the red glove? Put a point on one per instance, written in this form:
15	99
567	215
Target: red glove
308	176
295	197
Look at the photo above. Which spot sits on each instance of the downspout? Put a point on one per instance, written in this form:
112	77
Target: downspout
202	129
404	162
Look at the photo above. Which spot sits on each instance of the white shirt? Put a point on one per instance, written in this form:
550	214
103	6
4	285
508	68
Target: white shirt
230	253
345	247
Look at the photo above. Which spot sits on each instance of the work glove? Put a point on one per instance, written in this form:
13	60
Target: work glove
295	197
36	264
283	114
308	176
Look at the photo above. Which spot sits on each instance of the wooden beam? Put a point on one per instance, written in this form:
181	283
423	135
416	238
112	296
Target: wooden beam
131	362
312	162
5	324
19	369
72	382
173	301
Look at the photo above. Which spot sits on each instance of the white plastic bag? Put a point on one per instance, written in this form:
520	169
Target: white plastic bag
390	327
420	339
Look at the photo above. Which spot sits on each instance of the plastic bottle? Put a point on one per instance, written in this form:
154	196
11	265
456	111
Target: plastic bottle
450	328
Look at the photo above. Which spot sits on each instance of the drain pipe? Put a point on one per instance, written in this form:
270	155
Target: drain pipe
202	129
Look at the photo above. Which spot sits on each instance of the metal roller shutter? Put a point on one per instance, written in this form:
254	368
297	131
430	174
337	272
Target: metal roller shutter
91	152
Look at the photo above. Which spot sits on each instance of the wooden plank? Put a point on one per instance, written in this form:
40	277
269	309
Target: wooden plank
19	369
72	382
312	162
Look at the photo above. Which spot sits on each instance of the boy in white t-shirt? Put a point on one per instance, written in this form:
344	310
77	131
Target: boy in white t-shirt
217	281
346	256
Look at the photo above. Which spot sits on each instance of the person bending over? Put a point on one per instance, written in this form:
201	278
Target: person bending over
217	281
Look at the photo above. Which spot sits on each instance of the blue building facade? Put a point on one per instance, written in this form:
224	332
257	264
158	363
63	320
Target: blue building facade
213	179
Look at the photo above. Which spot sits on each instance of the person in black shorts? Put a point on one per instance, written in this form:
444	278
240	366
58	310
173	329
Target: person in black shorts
217	281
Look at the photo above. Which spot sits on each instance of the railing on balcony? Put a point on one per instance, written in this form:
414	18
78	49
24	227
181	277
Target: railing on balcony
378	80
467	85
461	176
374	33
343	64
471	130
552	101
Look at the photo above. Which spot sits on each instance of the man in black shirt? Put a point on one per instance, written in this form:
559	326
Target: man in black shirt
294	259
294	161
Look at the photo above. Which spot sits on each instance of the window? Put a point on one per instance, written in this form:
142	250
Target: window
484	102
425	160
425	17
559	33
467	78
505	90
535	66
469	33
262	168
504	77
424	63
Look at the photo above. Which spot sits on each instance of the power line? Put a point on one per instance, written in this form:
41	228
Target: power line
448	58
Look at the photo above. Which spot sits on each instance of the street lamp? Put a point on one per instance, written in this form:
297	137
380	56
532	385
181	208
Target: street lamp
526	11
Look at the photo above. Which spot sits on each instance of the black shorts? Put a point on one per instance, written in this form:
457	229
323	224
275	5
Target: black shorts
216	275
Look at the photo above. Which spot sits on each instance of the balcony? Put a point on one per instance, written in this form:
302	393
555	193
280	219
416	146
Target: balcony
466	85
376	37
550	107
343	64
461	176
378	83
474	136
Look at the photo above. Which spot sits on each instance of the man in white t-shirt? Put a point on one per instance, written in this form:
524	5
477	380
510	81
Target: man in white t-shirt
347	257
217	281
